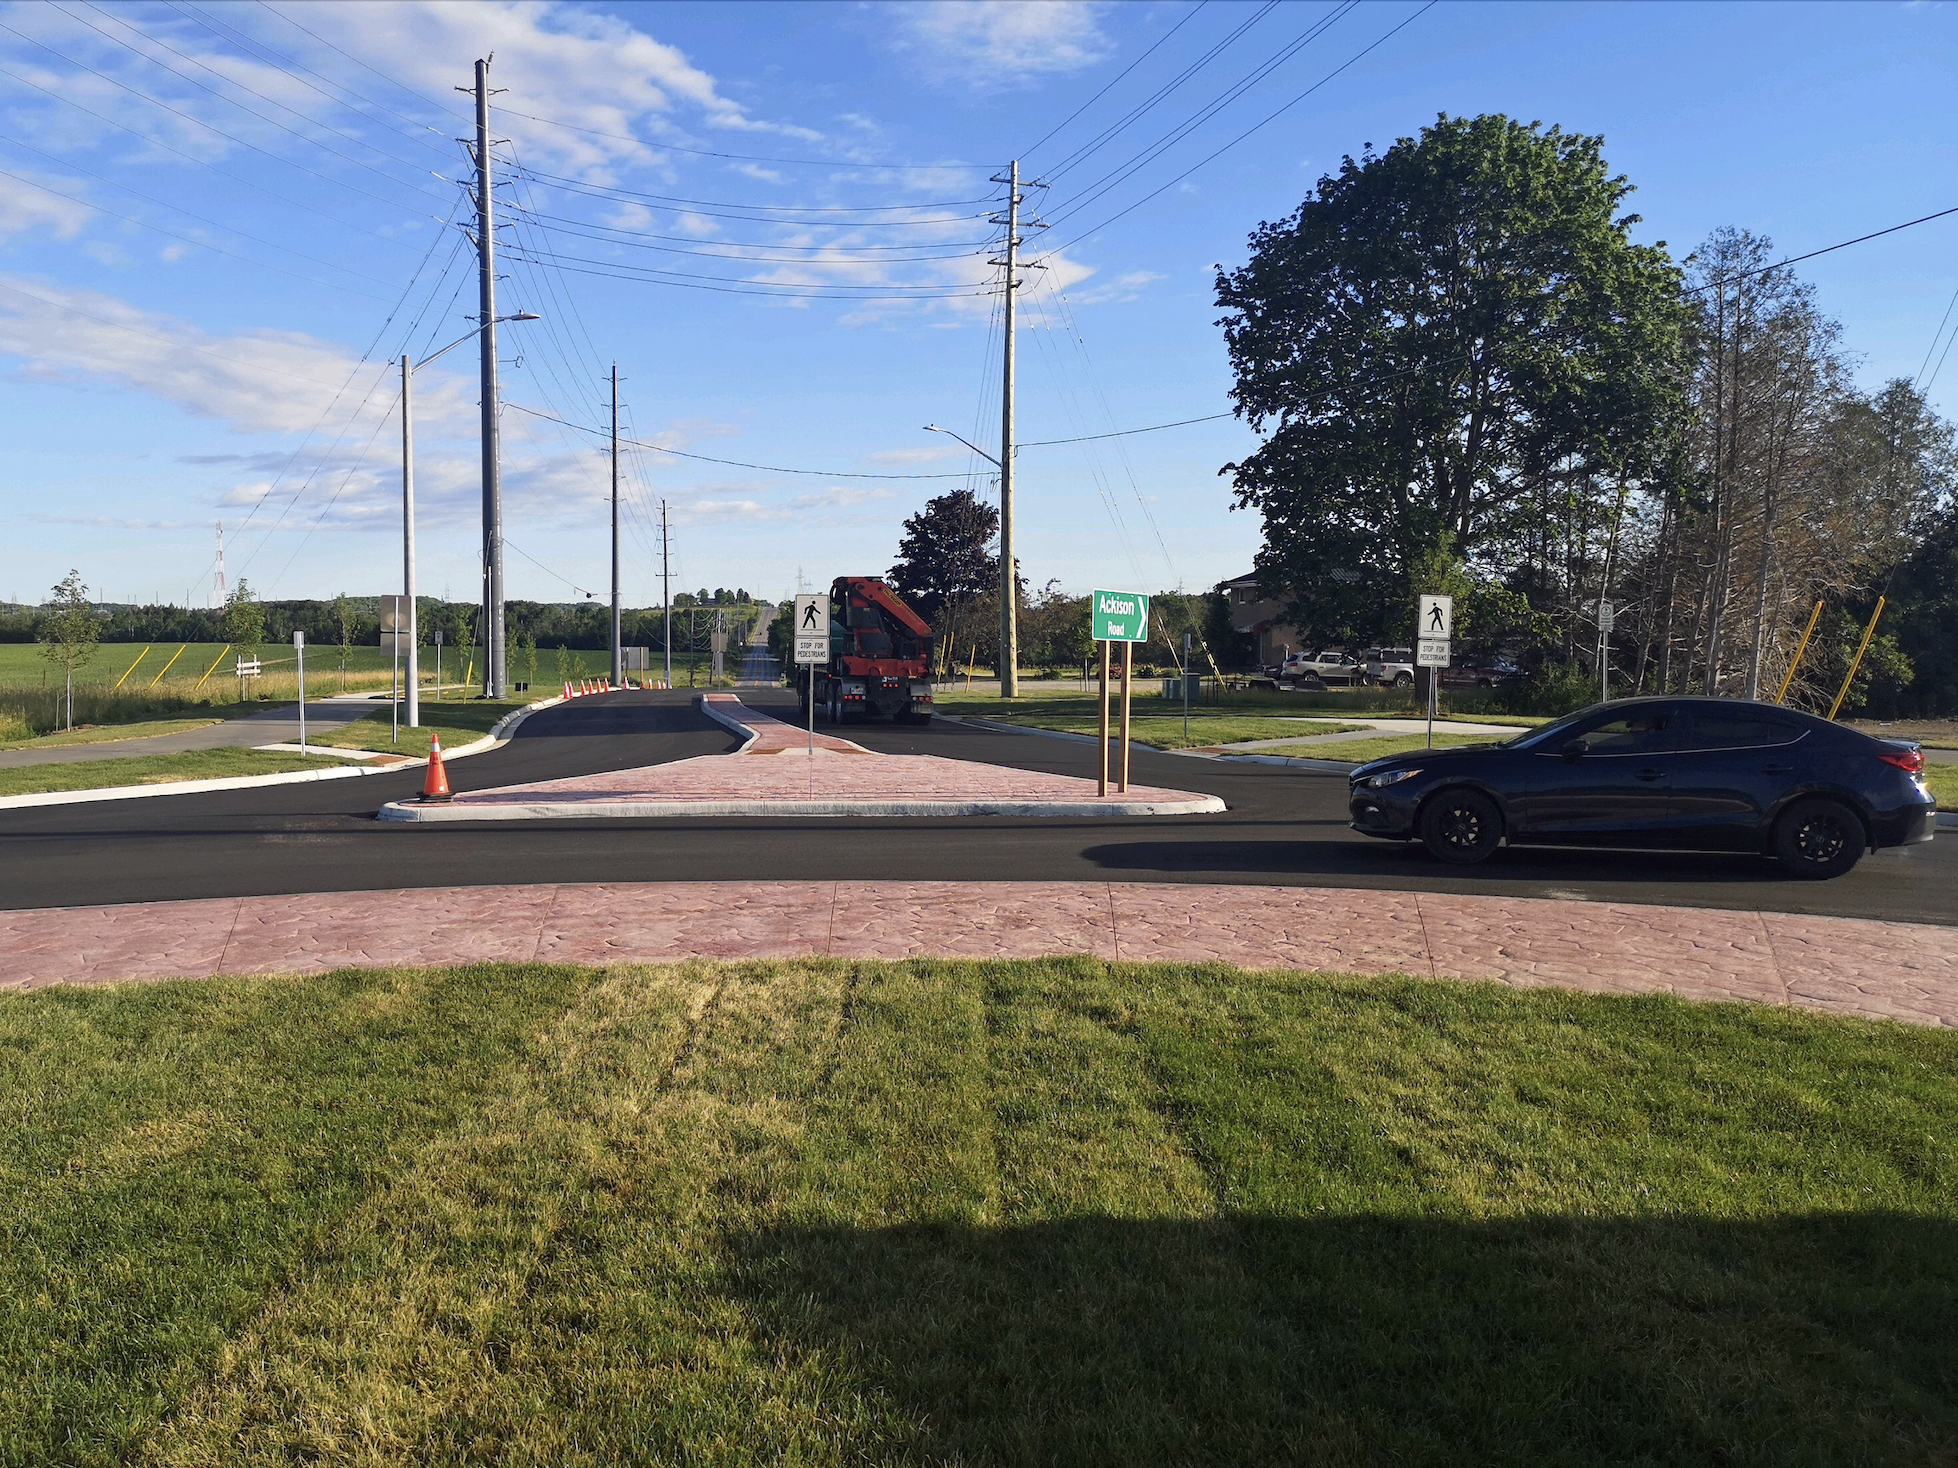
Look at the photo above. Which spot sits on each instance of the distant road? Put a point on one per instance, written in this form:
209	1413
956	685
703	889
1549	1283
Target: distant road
273	726
1284	827
760	668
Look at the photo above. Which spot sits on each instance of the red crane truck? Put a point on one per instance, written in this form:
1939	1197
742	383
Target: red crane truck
879	657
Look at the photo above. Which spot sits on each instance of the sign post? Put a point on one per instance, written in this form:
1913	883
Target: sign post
1118	616
299	651
1434	627
438	664
812	650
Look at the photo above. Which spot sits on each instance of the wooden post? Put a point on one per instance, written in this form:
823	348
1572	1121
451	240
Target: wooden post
1103	789
1128	679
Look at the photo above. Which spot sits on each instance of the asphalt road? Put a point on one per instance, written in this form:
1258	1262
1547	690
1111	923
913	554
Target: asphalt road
1284	827
270	726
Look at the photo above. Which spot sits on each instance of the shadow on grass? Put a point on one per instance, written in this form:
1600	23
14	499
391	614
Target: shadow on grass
1822	1339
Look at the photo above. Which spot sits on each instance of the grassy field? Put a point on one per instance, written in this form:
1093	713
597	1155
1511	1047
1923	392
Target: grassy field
1359	751
1943	780
457	722
153	769
109	733
1014	1212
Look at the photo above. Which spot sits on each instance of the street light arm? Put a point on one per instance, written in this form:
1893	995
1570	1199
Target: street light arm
472	335
934	428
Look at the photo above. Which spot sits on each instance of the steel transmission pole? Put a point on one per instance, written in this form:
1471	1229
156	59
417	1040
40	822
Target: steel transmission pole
414	709
495	676
618	653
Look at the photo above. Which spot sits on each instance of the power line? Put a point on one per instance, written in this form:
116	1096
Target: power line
1825	250
796	293
613	234
732	463
762	213
1188	16
1041	443
1262	122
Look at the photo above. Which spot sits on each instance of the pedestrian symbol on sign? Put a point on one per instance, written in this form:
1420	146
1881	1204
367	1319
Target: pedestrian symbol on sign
1437	626
809	623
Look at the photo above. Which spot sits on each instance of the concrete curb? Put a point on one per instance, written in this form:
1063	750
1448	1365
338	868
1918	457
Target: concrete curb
749	734
651	810
498	736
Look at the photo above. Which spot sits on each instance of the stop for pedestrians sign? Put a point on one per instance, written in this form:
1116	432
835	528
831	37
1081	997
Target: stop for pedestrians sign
1120	616
812	629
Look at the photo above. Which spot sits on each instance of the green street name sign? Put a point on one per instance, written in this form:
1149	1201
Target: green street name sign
1121	616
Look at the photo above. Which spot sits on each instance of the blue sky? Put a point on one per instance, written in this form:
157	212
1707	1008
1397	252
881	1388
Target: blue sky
212	211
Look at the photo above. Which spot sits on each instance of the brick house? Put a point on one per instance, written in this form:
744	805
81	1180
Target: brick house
1257	616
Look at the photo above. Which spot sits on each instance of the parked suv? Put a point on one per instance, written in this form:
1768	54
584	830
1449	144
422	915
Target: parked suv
1332	665
1393	665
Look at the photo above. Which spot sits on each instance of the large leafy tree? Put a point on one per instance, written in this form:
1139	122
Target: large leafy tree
1439	337
946	555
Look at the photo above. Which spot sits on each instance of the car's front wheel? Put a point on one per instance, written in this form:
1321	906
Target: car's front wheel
1461	827
1818	839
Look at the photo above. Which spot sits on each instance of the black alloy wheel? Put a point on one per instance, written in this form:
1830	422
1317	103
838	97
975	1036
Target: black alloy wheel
1461	827
1818	839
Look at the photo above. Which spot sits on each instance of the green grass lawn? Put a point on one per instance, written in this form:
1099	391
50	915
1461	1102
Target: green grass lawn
1943	780
1050	1212
109	733
153	769
1152	721
1359	751
458	722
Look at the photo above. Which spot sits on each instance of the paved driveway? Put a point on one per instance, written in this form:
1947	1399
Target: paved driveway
273	726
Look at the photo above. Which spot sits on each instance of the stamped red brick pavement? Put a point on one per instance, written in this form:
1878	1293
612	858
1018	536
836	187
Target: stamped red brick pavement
1902	971
776	773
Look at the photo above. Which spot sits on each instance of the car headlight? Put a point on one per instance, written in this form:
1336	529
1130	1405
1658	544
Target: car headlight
1393	777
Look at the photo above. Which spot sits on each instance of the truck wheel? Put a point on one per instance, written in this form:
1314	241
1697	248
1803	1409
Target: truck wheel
1403	680
921	721
1818	839
1461	827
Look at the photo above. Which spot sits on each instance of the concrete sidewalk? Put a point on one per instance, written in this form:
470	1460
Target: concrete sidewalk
1850	966
777	772
275	725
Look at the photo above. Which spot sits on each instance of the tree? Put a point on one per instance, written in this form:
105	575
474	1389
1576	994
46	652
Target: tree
1437	338
343	623
946	565
70	633
243	623
527	657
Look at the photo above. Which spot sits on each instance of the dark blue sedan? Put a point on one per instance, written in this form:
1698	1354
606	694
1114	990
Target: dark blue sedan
1695	774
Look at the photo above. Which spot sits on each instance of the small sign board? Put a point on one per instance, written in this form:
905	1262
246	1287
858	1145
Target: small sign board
812	629
394	614
1120	616
1431	652
1436	618
248	668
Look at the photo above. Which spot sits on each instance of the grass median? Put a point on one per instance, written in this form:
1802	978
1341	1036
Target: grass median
155	769
458	723
958	1212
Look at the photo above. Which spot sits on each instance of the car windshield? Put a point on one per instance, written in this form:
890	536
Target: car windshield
1547	733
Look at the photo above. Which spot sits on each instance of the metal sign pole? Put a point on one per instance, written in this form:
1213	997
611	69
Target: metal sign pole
1103	782
1128	680
1186	688
394	689
299	651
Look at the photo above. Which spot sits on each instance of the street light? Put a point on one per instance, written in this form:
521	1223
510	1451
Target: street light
934	428
1009	612
408	370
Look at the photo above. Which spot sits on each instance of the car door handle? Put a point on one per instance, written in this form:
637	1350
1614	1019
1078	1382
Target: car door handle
1777	769
1649	775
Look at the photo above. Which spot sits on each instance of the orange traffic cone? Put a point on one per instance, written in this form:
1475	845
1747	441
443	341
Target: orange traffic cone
436	787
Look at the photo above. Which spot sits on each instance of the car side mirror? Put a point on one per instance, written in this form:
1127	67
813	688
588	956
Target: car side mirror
1575	751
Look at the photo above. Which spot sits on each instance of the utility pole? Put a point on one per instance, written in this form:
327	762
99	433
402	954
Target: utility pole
495	675
220	581
666	589
413	632
618	654
1009	581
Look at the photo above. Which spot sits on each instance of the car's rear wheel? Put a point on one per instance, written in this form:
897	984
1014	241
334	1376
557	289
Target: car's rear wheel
1461	827
1403	680
1818	839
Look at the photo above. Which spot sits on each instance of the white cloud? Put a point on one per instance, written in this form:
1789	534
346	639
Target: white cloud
25	205
1000	43
254	381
